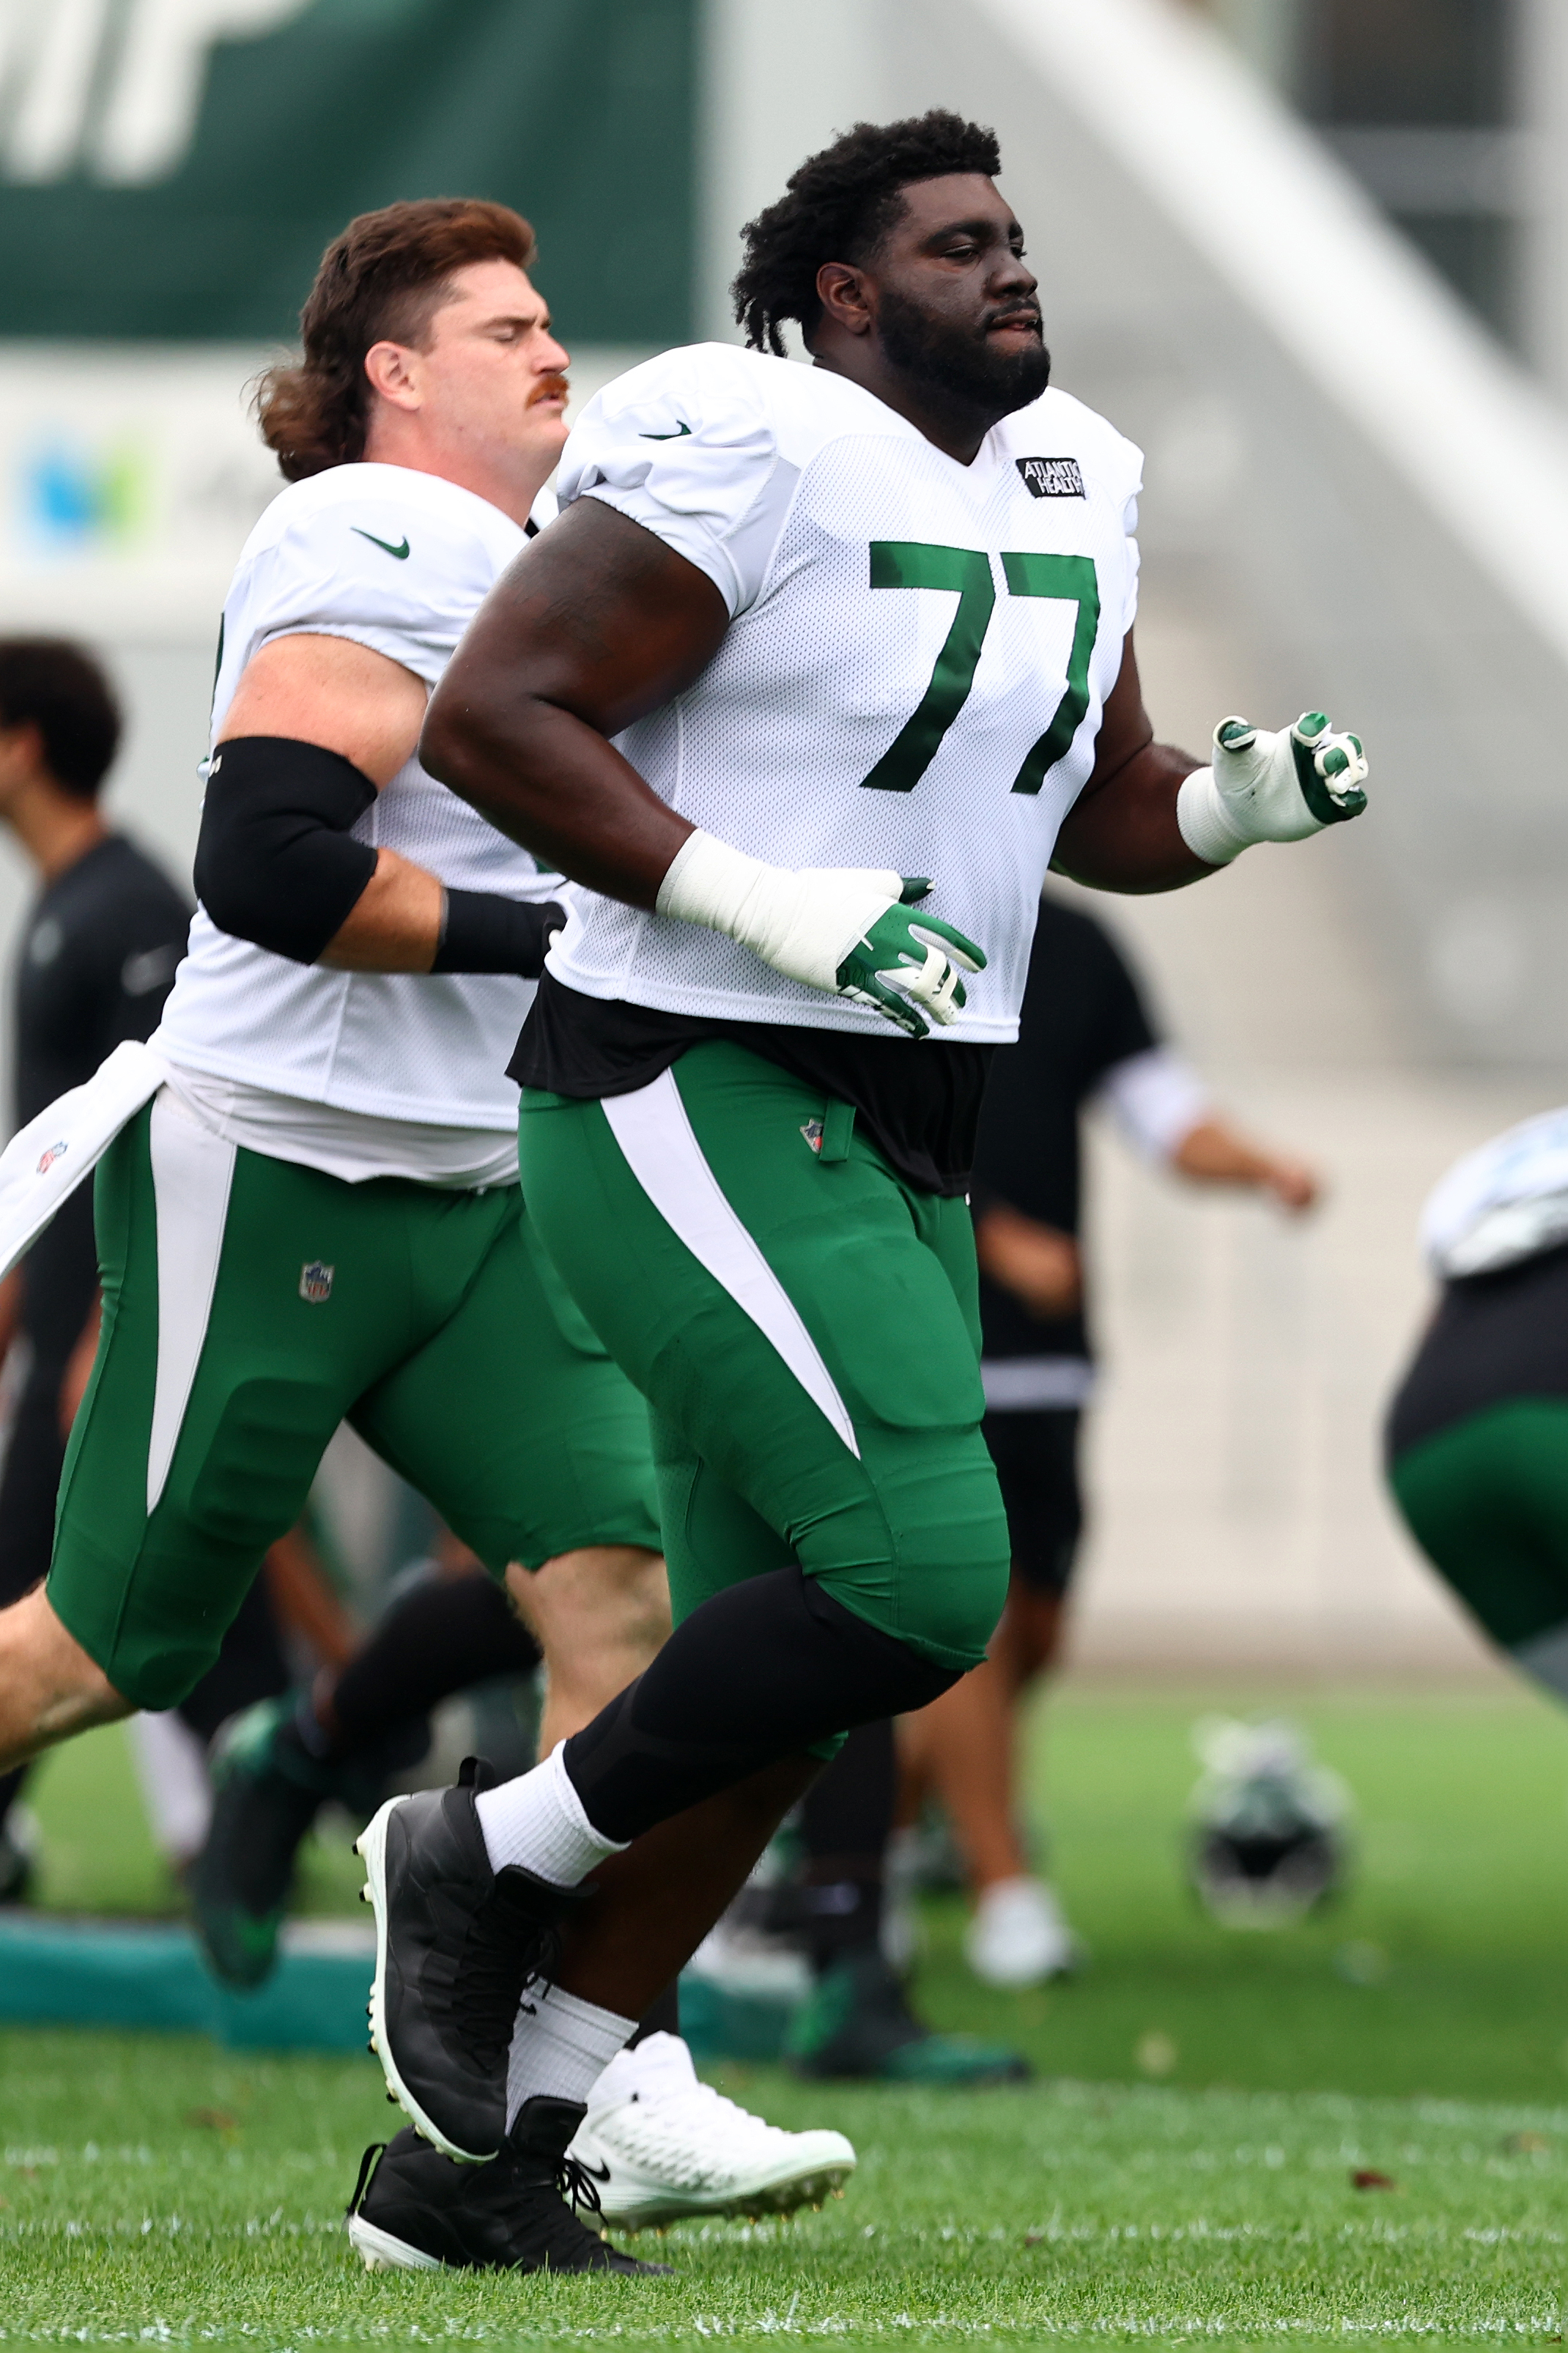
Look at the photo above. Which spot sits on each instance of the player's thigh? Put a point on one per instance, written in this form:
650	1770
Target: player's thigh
797	1323
513	1418
883	1279
1487	1500
712	1536
1036	1455
218	1380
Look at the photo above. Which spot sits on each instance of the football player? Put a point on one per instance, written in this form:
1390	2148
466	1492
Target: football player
316	1217
818	671
1477	1437
99	949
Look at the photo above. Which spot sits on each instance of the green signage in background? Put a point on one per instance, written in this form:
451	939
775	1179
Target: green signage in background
172	169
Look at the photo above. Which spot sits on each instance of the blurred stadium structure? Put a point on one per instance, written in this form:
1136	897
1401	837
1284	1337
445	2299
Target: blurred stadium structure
1281	244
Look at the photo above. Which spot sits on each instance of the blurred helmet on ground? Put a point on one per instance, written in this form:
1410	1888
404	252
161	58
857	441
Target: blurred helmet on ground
1268	1842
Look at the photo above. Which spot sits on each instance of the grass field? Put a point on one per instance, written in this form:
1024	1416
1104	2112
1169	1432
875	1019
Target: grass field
1183	2168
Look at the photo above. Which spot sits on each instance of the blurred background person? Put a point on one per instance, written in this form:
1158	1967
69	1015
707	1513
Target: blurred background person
1477	1437
97	952
1086	1040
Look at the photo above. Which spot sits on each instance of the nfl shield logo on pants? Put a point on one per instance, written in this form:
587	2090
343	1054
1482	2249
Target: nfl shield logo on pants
315	1283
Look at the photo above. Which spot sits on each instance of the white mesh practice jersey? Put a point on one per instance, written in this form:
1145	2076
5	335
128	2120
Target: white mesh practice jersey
915	670
398	561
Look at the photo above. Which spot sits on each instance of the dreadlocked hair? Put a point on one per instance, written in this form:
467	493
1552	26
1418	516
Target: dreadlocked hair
385	278
838	208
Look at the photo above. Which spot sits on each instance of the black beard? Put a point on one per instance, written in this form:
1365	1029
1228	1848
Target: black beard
964	370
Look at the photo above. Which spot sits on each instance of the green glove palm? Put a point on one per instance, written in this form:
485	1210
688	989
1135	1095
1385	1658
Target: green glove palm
903	960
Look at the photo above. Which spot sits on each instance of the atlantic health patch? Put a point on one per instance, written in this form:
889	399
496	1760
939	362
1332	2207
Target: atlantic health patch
1051	477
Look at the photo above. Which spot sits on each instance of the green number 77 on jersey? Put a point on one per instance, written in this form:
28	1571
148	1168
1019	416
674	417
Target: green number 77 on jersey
916	563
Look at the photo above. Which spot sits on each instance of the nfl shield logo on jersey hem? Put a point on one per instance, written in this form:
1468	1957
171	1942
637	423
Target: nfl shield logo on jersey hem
315	1281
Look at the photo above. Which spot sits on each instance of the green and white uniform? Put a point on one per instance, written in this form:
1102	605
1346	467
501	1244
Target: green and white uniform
1477	1437
753	1188
913	677
317	1219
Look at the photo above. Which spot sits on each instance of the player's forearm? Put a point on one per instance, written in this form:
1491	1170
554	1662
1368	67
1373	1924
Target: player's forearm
1122	835
1214	1153
394	925
549	780
406	921
1039	1265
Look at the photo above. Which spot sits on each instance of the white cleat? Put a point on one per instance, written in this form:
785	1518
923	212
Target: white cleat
1019	1935
659	2146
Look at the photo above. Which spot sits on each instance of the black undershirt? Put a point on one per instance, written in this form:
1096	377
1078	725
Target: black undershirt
1495	1337
1083	1013
918	1102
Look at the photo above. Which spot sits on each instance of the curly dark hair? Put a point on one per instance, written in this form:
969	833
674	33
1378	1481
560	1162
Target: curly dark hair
385	275
838	208
61	691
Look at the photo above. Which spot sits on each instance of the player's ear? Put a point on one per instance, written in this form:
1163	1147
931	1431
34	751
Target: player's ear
841	290
386	365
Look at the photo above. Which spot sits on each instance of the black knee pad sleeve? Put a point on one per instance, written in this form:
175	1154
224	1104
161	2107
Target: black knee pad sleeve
276	863
759	1672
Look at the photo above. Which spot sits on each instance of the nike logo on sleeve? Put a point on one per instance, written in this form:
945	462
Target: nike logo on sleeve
399	553
665	436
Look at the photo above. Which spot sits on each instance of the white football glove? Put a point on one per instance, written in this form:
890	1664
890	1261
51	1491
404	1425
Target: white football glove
850	930
1266	787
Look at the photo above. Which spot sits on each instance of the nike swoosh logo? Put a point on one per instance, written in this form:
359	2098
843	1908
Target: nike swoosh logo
601	2172
398	552
665	436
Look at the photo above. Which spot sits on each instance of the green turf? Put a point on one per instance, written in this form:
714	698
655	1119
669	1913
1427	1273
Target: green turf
157	2191
1444	1969
1457	1909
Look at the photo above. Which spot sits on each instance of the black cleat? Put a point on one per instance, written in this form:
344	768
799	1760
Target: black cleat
456	1942
414	2211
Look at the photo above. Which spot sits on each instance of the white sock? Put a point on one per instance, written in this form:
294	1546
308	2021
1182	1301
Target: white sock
560	2048
538	1821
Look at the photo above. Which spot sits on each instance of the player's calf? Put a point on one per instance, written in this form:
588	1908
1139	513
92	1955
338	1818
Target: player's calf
49	1687
599	1615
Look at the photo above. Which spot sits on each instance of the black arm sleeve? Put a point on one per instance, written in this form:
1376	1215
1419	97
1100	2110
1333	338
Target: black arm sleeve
482	932
275	861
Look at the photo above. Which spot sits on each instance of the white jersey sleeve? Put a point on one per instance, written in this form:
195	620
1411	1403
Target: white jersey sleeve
366	567
685	446
1156	1100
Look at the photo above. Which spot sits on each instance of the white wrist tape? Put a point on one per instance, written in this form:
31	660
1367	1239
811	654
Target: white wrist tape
802	921
1204	826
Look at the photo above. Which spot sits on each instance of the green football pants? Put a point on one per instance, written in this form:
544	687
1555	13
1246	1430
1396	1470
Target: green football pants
1487	1500
251	1306
807	1328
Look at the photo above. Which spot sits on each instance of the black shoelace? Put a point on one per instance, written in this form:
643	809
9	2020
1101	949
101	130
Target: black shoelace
508	1947
574	2181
